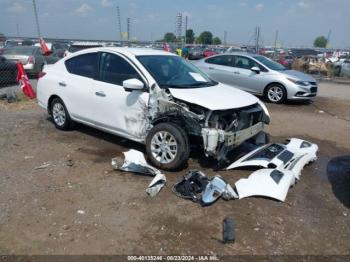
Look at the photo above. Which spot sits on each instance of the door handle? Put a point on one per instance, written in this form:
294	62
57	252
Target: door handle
211	68
62	84
237	73
100	93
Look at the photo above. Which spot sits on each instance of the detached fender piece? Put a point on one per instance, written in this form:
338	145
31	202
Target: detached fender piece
292	156
270	183
134	161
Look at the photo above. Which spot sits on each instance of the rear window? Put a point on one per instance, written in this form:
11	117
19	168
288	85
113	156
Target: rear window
225	60
83	65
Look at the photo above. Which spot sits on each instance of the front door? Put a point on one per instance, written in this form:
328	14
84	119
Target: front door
122	111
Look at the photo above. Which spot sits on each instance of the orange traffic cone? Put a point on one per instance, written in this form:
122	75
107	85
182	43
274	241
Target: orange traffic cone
45	50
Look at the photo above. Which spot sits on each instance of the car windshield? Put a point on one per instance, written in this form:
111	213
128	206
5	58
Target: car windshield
175	72
269	63
19	51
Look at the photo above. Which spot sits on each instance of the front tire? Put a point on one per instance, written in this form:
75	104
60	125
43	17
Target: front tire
276	94
167	146
60	115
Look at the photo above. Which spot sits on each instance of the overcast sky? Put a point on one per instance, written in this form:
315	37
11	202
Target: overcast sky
298	21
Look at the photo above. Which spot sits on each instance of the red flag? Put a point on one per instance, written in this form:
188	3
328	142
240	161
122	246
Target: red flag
44	49
166	47
23	80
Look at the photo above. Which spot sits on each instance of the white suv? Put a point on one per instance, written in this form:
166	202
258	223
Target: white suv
152	97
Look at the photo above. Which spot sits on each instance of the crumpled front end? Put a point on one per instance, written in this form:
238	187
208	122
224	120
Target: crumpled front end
220	130
224	130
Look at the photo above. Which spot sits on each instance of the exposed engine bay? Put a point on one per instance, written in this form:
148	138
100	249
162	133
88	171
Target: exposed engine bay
220	130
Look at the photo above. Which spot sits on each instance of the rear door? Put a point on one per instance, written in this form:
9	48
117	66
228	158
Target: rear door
245	78
75	86
220	68
116	109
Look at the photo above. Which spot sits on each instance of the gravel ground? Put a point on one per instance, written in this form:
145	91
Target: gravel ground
78	205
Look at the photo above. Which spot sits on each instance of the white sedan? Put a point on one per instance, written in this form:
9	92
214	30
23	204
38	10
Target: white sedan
152	97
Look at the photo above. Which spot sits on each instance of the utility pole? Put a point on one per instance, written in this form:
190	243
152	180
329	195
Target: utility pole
329	36
128	27
225	37
276	38
179	27
36	19
119	24
186	21
257	39
17	29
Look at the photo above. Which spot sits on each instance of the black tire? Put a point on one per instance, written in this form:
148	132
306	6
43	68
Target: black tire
182	146
277	99
66	124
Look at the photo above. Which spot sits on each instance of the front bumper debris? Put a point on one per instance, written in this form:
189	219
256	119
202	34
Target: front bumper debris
292	156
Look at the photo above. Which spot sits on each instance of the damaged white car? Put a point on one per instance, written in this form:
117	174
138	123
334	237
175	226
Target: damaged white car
152	97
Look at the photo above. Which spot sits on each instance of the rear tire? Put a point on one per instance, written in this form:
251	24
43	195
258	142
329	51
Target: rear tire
60	115
276	93
167	146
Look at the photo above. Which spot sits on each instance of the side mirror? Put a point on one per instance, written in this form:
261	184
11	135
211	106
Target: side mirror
255	69
132	84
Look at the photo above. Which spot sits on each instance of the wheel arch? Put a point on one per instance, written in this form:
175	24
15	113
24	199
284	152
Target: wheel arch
188	124
51	98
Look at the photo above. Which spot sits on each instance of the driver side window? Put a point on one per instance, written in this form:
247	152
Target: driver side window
115	69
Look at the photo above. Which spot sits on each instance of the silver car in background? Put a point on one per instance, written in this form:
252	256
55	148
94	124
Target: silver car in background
259	75
31	57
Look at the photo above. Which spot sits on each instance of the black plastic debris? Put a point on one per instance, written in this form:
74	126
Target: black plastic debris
228	230
197	187
191	186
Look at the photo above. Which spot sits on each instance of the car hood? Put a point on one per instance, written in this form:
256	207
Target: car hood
298	75
219	97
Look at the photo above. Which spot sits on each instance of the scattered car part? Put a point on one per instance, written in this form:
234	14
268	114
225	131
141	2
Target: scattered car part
216	188
269	182
228	230
197	187
191	186
156	185
292	156
135	162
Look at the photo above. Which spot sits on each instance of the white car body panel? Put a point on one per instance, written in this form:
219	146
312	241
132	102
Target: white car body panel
301	156
217	97
260	183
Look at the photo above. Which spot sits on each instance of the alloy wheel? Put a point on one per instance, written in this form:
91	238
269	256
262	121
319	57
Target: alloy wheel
164	147
275	94
59	114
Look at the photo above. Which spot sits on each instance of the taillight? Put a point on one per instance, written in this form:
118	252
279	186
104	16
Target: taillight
41	74
31	60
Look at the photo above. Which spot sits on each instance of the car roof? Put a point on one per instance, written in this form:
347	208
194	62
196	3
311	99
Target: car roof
126	51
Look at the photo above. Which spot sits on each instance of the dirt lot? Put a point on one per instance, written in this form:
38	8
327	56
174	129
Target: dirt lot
79	205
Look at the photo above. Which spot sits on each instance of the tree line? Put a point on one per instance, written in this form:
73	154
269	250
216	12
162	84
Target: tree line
206	38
